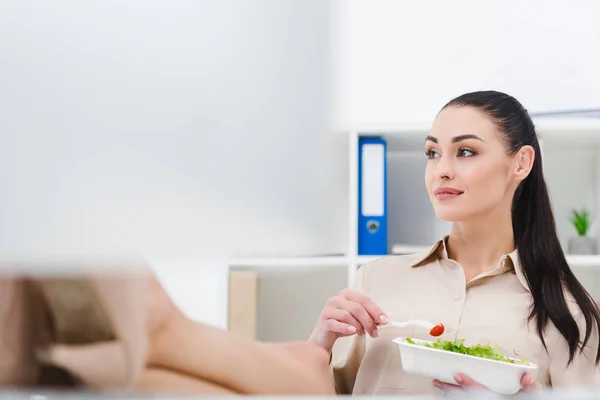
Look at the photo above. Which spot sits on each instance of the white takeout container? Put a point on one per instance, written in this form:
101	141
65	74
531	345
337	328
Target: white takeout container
498	376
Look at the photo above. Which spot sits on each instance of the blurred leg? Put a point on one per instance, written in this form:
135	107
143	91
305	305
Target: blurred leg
190	350
246	366
97	326
164	382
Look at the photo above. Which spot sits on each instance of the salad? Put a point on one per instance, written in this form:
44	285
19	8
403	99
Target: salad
458	346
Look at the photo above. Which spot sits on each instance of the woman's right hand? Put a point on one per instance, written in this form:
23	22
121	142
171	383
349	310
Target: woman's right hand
346	314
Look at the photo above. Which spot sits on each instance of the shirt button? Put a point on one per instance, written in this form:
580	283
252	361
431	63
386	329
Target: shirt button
457	297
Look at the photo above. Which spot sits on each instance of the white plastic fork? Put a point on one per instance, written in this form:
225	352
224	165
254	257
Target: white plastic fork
420	322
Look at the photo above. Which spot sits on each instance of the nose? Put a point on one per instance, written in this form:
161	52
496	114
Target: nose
444	168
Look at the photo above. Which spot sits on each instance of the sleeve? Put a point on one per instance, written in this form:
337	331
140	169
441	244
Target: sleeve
348	351
583	372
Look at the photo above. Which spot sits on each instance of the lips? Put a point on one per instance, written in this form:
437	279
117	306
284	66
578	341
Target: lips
445	193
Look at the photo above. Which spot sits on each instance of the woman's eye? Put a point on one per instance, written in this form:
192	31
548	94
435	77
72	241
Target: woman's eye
431	154
466	153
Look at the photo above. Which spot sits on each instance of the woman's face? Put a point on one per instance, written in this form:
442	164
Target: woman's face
468	172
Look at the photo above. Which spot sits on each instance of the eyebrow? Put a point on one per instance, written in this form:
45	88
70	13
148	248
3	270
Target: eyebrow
455	139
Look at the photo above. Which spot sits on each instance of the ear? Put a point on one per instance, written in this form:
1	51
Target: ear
524	162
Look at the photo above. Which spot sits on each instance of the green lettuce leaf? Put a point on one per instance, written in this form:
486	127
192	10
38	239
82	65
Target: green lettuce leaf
458	346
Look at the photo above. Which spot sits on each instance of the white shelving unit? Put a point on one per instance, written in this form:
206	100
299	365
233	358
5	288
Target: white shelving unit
289	262
566	141
556	133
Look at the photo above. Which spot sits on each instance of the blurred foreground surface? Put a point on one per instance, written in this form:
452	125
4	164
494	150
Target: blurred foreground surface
544	395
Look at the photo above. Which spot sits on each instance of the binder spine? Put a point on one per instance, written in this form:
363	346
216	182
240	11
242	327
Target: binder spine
372	196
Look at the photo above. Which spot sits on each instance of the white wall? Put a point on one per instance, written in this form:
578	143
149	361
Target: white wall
403	60
187	130
181	130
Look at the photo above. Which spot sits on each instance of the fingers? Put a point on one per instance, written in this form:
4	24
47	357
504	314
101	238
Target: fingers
342	328
447	388
463	382
342	321
358	313
466	382
352	313
369	306
528	382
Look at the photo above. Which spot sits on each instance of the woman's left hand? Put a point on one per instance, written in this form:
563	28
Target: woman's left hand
528	383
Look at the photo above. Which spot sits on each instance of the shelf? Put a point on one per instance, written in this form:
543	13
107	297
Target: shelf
568	131
554	130
575	261
322	261
398	249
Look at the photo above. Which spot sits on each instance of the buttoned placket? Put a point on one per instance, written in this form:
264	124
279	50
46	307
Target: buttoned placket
456	290
460	293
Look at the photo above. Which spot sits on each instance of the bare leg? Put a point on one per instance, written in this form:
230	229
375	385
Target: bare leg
201	352
246	366
169	383
97	364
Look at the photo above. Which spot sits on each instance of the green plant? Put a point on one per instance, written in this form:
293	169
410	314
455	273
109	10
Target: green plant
581	221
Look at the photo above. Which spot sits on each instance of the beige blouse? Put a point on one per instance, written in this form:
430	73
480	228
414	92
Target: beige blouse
491	308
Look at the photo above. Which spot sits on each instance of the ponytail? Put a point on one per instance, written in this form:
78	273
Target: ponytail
545	265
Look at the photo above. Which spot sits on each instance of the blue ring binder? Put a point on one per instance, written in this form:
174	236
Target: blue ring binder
372	196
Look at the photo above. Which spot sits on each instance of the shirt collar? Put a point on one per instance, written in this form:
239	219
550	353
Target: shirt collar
438	251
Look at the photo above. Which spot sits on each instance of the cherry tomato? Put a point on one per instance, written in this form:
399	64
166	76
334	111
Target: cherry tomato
437	330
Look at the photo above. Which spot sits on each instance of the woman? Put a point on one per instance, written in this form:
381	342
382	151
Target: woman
120	331
499	277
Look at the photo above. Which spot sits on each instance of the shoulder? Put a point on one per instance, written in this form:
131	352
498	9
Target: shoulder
391	267
394	262
405	261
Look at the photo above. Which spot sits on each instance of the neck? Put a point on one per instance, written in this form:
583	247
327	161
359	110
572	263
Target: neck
478	244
